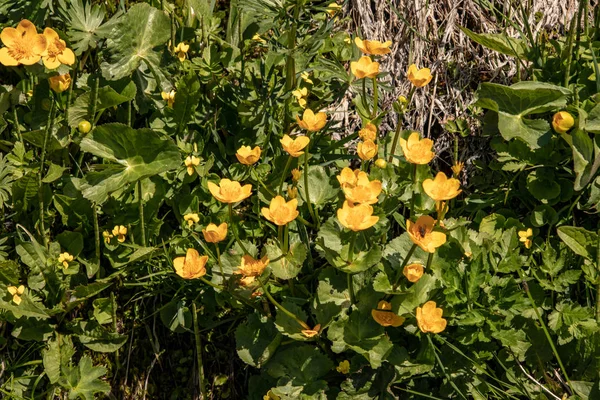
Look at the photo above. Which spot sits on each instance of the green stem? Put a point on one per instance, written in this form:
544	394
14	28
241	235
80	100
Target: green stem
93	102
280	237
285	170
141	208
412	196
350	288
396	137
569	53
304	222
96	235
286	239
282	308
234	229
351	247
47	133
219	261
114	325
375	98
404	262
307	197
69	96
199	352
17	128
448	378
260	182
209	283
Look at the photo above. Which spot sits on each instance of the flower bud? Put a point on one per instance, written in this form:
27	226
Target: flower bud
381	163
562	122
84	127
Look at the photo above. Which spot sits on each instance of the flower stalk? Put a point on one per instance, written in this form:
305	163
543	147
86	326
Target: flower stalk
285	170
282	308
404	263
198	341
47	133
234	229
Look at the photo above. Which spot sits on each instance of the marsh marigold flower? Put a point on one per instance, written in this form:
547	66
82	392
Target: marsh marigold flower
191	218
169	97
300	95
214	233
191	266
384	315
442	188
364	68
333	8
356	217
312	122
562	122
16	293
292	192
366	150
525	237
229	191
247	155
190	162
119	231
251	267
374	47
381	163
65	258
295	146
343	367
23	45
417	151
421	233
429	318
306	77
369	132
419	77
413	272
181	50
296	174
363	191
457	168
57	52
60	83
348	177
312	332
279	212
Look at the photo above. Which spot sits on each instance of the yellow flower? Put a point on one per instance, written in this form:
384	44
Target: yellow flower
562	122
312	332
292	192
60	83
191	266
348	177
229	191
191	162
247	155
457	168
347	39
302	103
214	233
119	231
343	367
271	396
296	174
280	212
191	218
16	293
369	132
422	234
258	39
413	272
295	146
305	76
417	151
300	93
57	52
356	217
525	237
23	45
65	258
168	97
429	318
251	267
364	191
333	8
366	150
384	315
181	49
373	46
364	68
442	188
381	163
312	122
419	77
107	236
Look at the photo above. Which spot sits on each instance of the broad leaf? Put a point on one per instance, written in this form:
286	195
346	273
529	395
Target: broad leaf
580	240
499	42
256	340
83	381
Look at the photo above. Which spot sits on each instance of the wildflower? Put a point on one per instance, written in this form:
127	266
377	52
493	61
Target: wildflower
300	95
65	258
364	68
84	127
229	191
417	151
364	191
343	367
312	332
306	77
312	122
366	150
181	49
419	77
429	318
525	237
168	97
60	83
119	231
23	45
258	39
247	155
57	52
381	163
403	100
562	122
333	8
295	146
107	236
16	293
191	162
251	267
442	187
348	177
191	218
457	168
373	46
214	233
384	315
369	132
191	266
413	272
296	174
421	233
292	192
279	212
356	217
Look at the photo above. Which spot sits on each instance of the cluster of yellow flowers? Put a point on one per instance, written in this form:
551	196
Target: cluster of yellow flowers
119	231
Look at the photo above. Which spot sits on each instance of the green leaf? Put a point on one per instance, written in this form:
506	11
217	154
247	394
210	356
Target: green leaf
332	295
27	308
103	310
54	173
542	184
516	102
499	42
57	356
82	380
320	186
256	340
86	291
97	338
580	240
32	329
586	158
186	101
138	154
303	364
288	325
71	242
117	92
288	266
176	316
134	39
